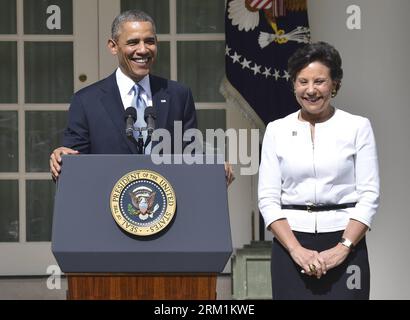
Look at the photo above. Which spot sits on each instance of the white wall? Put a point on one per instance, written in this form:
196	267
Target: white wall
376	84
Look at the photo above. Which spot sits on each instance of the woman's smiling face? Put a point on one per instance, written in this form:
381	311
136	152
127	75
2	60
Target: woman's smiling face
313	89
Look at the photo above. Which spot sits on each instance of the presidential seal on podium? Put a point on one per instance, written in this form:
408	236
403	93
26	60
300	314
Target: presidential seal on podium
143	202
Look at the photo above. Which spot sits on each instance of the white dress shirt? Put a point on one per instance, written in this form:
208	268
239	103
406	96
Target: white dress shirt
126	85
340	166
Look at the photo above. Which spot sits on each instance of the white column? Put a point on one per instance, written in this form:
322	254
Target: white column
376	85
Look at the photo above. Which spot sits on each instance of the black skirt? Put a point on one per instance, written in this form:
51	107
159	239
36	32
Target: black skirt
349	280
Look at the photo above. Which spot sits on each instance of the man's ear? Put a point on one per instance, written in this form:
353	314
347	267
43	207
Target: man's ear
112	46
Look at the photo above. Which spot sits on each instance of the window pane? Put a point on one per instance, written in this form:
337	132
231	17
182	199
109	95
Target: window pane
201	66
198	16
158	10
44	131
49	75
40	203
211	119
8	141
48	17
162	66
8	17
8	72
9	211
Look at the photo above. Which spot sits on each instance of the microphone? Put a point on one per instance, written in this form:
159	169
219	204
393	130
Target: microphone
150	115
130	118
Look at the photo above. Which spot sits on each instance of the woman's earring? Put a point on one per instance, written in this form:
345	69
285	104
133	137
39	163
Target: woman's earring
334	93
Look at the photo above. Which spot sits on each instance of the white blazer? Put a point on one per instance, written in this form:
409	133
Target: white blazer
339	167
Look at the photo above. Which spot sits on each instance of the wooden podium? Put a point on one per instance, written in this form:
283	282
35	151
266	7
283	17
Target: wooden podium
141	287
102	261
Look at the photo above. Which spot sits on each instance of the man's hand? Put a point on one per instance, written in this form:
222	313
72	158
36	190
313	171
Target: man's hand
55	160
229	174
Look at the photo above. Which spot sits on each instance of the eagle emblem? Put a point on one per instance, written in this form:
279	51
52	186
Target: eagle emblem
245	15
142	199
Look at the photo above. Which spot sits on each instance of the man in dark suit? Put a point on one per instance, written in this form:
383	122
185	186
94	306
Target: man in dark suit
96	121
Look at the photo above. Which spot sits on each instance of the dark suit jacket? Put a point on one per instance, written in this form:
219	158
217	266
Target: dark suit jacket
96	122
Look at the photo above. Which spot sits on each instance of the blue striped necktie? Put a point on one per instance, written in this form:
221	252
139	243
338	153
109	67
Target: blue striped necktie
139	104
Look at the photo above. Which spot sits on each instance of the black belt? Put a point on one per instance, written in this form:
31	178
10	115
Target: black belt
319	207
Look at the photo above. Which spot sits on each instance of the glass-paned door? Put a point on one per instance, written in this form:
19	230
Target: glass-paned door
45	46
51	48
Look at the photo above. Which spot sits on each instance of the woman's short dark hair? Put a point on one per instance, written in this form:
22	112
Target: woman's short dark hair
130	15
319	51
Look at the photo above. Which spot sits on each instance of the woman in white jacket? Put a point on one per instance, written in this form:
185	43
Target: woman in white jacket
319	186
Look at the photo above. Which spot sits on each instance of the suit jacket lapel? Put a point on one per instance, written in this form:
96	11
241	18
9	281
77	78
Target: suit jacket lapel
112	103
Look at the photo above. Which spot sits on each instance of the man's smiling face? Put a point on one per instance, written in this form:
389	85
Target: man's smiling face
136	48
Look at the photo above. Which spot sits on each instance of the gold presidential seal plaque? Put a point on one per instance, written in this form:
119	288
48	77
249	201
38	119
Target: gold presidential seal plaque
143	202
